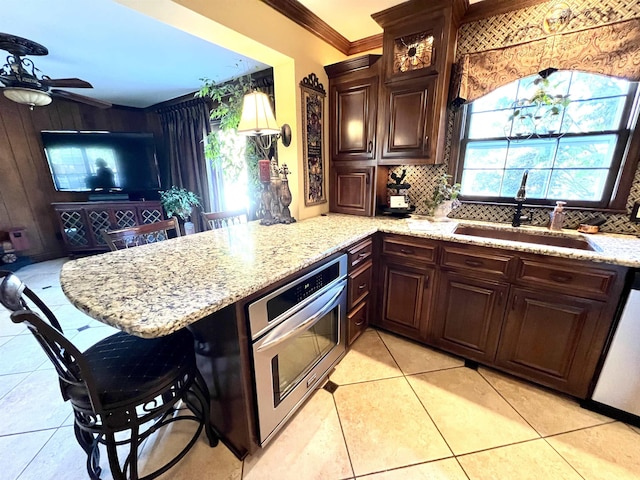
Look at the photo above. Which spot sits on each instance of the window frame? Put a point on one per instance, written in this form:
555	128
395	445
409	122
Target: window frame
621	173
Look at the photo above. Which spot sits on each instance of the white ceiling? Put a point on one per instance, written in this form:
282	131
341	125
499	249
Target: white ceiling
133	60
129	58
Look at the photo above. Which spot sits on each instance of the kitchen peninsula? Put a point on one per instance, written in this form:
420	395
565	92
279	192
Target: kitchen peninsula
205	282
153	290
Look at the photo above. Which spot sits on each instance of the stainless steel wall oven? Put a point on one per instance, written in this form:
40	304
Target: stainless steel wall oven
298	334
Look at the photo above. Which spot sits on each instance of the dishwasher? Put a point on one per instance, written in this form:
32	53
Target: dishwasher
617	390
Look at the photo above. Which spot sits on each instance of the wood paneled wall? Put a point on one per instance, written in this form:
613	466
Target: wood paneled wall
26	187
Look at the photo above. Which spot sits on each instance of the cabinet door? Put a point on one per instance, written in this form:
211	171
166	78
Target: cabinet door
73	225
406	298
352	190
468	315
100	218
408	122
357	321
553	339
353	116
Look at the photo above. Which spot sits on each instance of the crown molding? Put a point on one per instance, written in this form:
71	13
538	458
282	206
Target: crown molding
308	20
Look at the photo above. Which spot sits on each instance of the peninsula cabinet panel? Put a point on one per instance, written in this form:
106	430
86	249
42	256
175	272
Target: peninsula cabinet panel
468	315
357	320
351	190
354	117
553	339
406	299
408	125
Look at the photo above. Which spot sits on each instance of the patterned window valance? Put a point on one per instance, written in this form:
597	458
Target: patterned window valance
612	50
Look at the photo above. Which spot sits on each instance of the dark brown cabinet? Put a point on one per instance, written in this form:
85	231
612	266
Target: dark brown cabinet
82	222
353	118
407	280
408	122
352	190
468	315
353	112
551	338
360	286
543	318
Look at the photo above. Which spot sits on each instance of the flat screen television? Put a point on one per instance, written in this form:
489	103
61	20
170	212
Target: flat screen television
102	162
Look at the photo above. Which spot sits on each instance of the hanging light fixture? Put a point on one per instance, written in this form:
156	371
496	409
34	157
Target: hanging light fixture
27	96
257	120
541	116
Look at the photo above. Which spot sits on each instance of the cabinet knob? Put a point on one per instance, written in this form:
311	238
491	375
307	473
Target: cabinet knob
370	147
558	277
362	286
406	251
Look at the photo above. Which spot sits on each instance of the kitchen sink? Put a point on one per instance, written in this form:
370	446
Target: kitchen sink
526	237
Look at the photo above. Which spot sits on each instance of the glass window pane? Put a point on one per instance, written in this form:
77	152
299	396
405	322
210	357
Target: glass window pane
485	155
502	97
596	115
590	85
489	124
531	154
578	184
484	183
586	152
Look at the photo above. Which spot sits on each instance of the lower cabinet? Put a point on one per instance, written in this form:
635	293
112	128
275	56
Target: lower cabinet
545	319
553	339
357	321
468	315
359	289
406	298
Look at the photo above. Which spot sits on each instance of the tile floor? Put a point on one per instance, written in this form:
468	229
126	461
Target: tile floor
401	411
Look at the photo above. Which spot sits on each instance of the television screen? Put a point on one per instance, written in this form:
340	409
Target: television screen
101	161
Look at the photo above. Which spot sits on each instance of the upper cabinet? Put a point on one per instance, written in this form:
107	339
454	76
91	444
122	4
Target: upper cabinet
418	46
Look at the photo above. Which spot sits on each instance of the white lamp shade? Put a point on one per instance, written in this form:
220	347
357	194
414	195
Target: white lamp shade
27	96
257	116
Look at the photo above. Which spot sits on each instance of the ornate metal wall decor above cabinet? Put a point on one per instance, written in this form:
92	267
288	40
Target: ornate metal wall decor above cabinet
82	222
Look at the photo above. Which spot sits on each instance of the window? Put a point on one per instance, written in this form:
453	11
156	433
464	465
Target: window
574	156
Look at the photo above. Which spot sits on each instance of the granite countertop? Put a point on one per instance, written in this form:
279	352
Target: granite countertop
153	290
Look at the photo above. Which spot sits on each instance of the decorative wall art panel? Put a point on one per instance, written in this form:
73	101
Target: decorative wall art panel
313	95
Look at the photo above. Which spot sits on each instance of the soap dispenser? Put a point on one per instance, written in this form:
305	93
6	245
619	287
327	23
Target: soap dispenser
557	216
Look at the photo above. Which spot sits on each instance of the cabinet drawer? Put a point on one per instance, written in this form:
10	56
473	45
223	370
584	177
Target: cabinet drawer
360	253
569	277
409	248
357	321
475	260
360	283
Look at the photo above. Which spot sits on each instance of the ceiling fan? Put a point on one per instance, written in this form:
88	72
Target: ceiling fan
24	83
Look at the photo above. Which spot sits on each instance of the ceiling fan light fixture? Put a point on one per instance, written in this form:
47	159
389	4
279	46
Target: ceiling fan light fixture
27	96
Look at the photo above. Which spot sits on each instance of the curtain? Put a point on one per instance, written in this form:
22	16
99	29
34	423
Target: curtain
184	128
612	50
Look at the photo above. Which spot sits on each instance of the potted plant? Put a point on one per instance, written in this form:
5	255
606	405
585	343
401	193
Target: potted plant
444	198
180	202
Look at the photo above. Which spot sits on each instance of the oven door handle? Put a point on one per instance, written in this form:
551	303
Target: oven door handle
275	338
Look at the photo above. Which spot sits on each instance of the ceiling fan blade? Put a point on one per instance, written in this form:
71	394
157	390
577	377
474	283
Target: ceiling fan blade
94	102
66	82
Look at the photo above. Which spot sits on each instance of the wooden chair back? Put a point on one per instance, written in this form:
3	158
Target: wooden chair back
141	234
224	219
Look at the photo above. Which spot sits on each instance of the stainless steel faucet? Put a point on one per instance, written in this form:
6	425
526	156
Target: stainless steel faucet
521	196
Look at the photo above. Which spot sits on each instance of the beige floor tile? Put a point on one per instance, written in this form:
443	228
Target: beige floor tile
8	382
549	413
534	460
218	462
21	354
60	458
385	426
16	451
310	447
635	429
414	358
468	412
368	359
34	404
70	317
7	327
447	469
610	452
